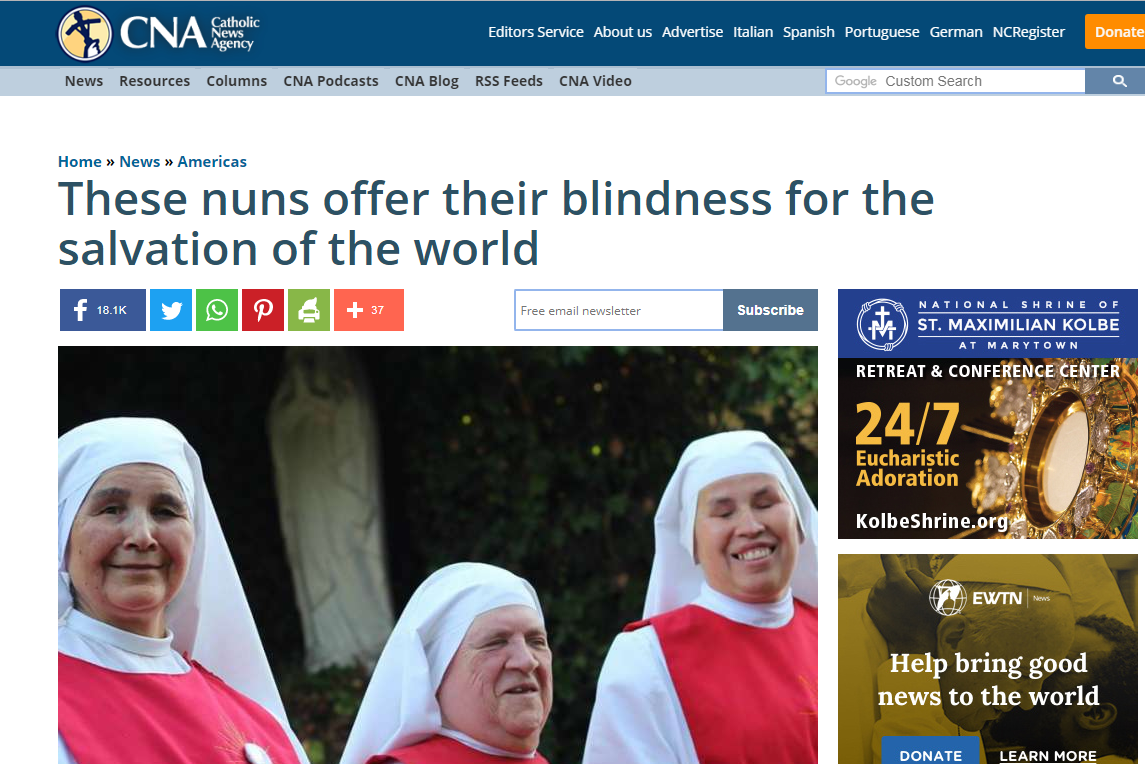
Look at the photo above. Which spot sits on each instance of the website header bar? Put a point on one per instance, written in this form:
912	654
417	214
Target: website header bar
623	33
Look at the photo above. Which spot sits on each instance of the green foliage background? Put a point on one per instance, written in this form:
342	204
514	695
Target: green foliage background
548	461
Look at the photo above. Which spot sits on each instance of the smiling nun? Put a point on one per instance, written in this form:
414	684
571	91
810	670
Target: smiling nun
465	678
159	658
724	666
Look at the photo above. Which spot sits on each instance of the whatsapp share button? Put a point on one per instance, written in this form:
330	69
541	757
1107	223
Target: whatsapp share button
711	310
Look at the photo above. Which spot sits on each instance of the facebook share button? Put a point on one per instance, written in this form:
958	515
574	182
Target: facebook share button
103	310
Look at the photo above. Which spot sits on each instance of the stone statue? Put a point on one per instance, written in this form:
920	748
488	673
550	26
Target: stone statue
327	461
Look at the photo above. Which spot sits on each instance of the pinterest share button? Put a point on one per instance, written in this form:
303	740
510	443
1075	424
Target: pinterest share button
263	310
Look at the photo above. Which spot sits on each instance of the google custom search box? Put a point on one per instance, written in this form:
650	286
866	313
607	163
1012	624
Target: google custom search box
955	81
712	310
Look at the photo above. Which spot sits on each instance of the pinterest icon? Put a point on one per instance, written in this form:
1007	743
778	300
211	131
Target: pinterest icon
263	307
263	310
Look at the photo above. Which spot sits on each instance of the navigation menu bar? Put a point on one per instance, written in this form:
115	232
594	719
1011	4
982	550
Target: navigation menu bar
566	81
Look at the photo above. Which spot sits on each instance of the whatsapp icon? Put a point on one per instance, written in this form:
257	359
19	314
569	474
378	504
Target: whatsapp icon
216	310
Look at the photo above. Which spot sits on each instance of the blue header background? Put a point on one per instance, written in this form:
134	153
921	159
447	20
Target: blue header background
403	33
874	312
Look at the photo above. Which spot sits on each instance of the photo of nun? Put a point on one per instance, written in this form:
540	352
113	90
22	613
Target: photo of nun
159	657
725	665
465	678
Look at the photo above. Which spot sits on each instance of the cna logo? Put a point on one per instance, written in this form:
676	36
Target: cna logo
882	324
947	597
227	33
85	34
146	28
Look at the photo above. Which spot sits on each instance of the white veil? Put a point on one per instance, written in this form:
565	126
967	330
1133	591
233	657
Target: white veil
676	576
210	617
400	706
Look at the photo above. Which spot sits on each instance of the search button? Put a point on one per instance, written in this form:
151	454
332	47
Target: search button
1115	80
1115	30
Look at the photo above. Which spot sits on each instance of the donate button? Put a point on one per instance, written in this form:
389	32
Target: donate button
1114	30
900	749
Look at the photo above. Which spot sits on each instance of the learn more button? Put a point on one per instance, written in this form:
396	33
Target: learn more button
1114	30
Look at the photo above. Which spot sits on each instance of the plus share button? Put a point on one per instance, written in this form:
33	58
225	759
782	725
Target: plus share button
369	310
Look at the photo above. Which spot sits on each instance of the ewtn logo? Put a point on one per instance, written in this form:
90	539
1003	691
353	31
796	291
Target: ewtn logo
882	324
85	33
947	597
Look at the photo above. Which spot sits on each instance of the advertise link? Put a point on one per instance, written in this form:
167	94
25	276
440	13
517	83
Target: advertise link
918	520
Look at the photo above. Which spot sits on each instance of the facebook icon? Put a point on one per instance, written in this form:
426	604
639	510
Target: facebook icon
103	310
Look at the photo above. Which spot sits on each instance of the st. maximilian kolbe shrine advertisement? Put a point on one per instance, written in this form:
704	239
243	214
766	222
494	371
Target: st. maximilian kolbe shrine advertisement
1001	414
992	658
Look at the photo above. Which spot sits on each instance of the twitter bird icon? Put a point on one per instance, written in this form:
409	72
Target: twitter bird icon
166	310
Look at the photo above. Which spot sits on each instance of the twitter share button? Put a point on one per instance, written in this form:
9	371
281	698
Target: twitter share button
171	310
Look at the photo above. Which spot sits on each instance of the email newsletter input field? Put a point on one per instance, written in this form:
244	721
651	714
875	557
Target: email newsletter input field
556	310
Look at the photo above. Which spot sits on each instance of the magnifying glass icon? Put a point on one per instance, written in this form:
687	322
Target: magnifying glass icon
1119	80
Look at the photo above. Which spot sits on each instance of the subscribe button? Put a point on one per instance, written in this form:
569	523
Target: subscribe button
1114	30
901	749
771	310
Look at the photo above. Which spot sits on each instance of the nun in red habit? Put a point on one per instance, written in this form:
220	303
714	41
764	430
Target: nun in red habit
724	666
159	658
465	678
